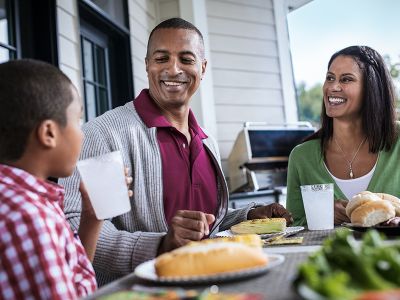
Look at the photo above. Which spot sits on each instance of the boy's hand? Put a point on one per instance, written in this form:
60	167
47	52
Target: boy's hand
89	225
87	208
128	180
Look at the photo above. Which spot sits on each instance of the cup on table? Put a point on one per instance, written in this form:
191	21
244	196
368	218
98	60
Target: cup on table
104	179
318	205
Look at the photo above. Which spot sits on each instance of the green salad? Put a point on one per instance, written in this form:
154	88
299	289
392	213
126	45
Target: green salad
344	268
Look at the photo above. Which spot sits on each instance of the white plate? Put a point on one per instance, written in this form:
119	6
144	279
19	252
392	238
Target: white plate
289	231
147	271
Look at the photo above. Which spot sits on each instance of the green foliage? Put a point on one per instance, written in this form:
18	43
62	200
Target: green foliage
344	268
394	68
310	102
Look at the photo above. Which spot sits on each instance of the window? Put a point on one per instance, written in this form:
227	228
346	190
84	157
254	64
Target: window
114	9
95	72
8	48
106	57
28	30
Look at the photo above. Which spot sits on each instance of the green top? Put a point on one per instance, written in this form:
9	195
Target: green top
306	166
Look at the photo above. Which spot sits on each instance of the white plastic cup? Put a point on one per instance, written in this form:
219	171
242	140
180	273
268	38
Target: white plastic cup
318	205
105	183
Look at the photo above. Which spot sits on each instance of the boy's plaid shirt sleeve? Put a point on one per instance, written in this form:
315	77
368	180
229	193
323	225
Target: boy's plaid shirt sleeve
40	258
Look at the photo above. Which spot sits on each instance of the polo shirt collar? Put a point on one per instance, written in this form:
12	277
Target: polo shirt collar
151	114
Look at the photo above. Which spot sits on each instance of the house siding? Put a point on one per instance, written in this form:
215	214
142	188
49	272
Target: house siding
246	72
69	42
142	19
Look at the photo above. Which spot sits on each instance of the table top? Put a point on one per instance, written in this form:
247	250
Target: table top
275	284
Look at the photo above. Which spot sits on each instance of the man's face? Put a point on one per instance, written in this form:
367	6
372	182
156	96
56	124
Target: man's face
175	66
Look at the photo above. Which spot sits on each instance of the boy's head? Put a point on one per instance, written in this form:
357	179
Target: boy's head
39	118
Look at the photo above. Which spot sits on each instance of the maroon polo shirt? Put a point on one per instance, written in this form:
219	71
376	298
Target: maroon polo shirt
189	176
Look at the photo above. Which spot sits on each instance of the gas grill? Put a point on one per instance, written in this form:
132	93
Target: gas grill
259	157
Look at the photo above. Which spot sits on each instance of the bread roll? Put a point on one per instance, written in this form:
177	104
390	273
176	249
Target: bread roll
372	213
359	200
209	258
393	199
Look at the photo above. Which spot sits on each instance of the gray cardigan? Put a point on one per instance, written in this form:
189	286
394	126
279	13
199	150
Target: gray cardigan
130	239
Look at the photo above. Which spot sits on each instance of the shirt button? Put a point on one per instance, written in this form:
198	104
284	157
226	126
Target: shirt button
184	145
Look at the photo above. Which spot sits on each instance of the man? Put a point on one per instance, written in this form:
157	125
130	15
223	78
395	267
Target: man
180	193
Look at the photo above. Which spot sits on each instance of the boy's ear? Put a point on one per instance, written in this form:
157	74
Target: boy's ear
47	133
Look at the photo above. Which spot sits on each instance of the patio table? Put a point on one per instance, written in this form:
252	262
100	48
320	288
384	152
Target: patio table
276	284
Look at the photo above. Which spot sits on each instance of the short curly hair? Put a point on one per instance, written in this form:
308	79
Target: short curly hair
31	91
176	23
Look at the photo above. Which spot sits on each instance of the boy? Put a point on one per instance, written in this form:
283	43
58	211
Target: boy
40	136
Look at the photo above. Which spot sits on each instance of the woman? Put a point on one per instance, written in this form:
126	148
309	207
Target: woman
357	147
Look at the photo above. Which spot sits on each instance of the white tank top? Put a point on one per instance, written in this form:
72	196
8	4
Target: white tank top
351	187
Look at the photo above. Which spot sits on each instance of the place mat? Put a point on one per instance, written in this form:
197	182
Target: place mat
315	237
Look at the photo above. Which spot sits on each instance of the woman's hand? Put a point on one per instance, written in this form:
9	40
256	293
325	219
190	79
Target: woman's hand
340	212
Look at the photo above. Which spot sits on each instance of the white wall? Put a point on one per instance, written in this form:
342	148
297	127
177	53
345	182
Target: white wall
246	68
69	48
142	19
167	9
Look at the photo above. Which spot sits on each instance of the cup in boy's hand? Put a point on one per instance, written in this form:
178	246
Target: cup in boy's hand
105	183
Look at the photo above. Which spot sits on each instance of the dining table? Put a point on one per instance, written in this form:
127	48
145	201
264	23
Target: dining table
275	284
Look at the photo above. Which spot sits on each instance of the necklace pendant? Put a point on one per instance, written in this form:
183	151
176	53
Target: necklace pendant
351	174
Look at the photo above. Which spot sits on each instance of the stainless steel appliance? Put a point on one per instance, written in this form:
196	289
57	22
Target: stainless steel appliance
259	157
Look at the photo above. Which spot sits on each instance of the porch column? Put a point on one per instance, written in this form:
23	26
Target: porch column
203	104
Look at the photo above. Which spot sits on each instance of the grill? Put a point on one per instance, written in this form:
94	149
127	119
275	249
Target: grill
259	157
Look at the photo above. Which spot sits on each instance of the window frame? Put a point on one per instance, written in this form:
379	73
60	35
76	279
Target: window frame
120	72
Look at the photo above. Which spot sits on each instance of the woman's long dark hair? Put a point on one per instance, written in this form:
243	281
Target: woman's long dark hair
378	107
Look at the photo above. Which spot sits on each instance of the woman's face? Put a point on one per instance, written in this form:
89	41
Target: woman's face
343	89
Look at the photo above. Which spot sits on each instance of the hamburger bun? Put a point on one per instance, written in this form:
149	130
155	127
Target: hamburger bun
372	213
209	258
359	200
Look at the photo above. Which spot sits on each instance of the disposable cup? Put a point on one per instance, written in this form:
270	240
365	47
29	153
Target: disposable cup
105	183
318	205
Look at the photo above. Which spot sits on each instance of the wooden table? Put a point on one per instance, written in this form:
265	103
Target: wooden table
275	284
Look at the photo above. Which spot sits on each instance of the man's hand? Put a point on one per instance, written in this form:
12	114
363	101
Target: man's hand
273	210
340	212
186	226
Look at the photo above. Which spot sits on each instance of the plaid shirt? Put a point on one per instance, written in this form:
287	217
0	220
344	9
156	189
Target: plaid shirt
40	257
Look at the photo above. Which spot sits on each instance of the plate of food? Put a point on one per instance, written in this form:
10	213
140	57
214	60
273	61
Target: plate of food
386	229
147	271
209	261
344	268
379	211
265	228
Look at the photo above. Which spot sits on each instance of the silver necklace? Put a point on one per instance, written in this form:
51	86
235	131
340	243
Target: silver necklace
350	162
